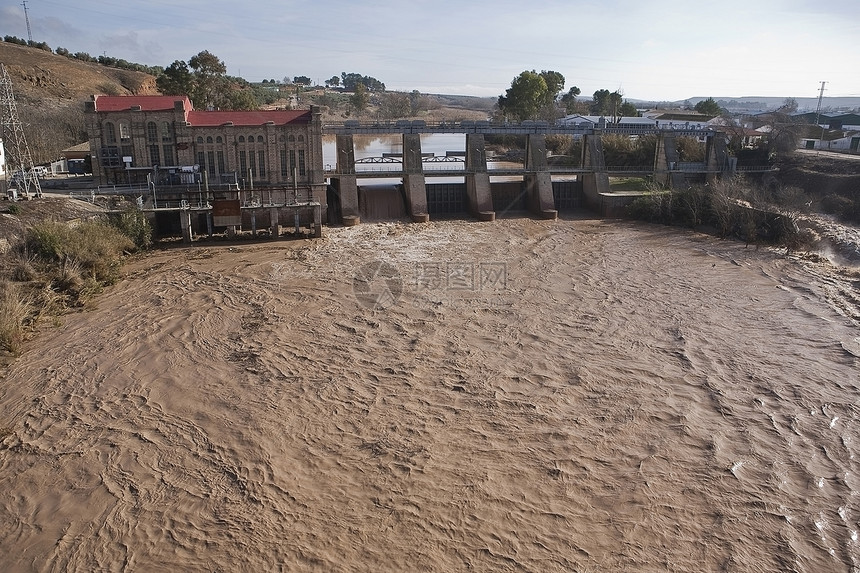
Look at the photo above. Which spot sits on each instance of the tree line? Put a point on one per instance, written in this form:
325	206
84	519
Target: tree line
538	95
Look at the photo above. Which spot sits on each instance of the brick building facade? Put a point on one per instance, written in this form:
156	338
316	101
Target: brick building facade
135	140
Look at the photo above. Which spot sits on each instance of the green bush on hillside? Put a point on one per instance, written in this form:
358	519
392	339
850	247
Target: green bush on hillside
133	224
95	246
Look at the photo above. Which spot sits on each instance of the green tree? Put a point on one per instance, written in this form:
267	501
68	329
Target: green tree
627	109
554	85
360	99
525	98
176	79
210	85
394	105
242	99
351	80
600	103
708	107
568	100
333	82
302	80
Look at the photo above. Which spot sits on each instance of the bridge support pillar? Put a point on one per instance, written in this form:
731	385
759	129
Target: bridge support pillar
538	180
185	222
350	211
595	185
413	179
666	164
275	224
478	179
347	184
716	157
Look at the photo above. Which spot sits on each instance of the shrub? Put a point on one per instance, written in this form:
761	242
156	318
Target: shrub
13	209
94	245
133	224
655	207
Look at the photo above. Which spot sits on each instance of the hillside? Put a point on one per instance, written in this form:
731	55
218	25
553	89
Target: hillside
43	79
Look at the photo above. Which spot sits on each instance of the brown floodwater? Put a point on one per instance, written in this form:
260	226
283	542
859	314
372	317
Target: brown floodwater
521	395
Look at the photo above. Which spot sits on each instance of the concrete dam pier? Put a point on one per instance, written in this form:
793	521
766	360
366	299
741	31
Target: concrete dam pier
538	193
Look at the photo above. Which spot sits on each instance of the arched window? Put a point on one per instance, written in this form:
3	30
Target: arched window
124	131
199	139
151	132
259	139
281	139
241	139
219	140
209	139
165	131
292	138
110	132
301	138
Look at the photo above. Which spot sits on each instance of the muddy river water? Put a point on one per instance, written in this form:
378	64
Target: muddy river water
522	395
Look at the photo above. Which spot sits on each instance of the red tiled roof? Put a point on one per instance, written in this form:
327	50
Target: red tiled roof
247	118
201	118
146	103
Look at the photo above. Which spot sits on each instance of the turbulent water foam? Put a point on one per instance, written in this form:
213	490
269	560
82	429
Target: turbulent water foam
535	396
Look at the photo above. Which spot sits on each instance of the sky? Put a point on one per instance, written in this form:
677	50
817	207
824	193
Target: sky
649	50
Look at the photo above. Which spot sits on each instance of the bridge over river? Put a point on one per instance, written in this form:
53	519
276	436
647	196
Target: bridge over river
414	168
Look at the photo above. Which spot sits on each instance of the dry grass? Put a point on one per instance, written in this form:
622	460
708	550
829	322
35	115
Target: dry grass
14	310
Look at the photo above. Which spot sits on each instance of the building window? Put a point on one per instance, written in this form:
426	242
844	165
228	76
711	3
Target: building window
201	160
243	163
301	138
292	162
166	134
199	140
284	172
220	155
124	131
110	157
151	132
169	158
209	139
219	140
291	138
241	139
261	161
252	161
259	139
301	162
211	165
110	133
127	151
153	155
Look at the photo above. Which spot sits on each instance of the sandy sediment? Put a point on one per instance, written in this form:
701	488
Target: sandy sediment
511	396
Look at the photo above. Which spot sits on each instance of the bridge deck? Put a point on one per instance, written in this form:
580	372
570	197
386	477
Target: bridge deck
488	128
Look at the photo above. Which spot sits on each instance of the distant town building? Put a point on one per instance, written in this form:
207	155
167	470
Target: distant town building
137	140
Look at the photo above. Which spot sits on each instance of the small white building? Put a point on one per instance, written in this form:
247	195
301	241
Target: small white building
2	161
846	142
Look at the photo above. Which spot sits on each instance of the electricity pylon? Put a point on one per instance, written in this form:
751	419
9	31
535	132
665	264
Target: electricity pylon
18	158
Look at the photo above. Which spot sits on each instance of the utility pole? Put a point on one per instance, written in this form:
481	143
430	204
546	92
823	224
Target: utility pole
27	18
818	115
19	160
